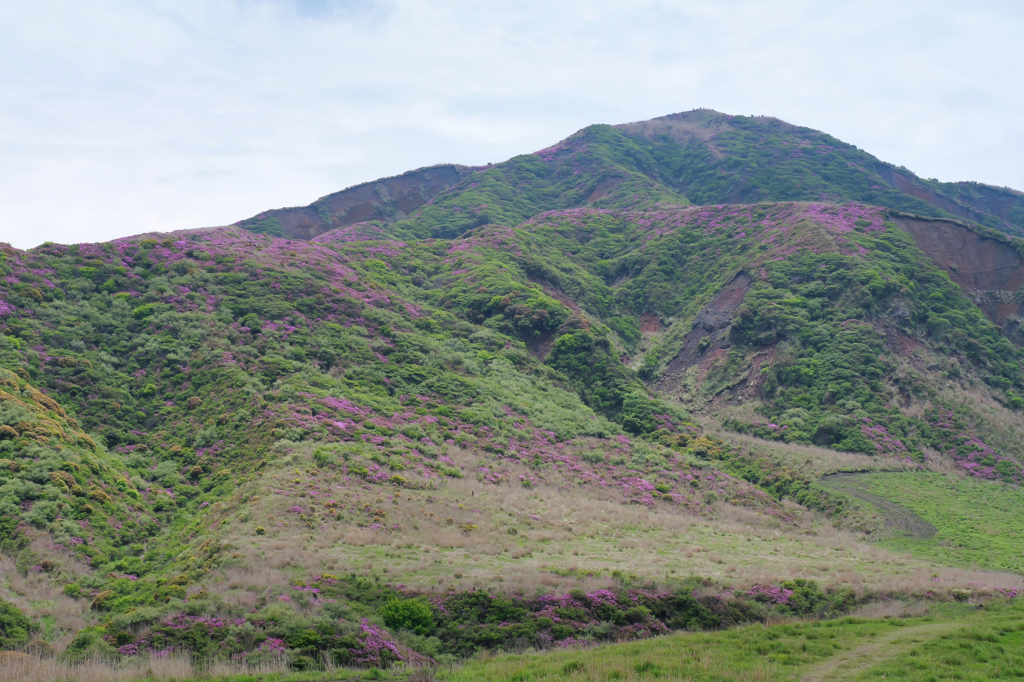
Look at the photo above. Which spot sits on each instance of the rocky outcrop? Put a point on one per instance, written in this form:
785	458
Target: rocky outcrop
711	323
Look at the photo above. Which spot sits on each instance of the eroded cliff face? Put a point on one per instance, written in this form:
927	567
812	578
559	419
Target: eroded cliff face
387	199
911	186
711	323
990	272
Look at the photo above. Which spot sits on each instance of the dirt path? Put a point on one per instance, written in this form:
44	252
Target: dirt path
897	517
849	664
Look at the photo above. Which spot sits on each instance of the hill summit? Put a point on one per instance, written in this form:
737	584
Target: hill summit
601	391
699	156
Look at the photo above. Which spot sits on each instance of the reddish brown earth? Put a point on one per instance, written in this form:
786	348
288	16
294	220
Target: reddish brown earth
649	323
755	380
990	271
555	293
908	185
540	346
972	204
901	344
998	201
386	199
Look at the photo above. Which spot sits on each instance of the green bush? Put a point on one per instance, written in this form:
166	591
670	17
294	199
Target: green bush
408	614
143	311
15	627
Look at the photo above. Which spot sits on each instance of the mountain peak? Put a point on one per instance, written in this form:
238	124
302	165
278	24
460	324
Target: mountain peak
701	156
701	123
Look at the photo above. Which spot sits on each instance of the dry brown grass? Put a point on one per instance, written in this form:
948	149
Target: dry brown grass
555	536
1003	428
891	608
32	669
808	459
38	597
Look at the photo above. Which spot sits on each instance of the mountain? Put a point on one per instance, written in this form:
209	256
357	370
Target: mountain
713	158
700	156
621	370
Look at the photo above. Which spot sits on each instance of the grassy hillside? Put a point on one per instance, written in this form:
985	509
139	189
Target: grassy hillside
830	296
715	158
324	407
976	523
555	406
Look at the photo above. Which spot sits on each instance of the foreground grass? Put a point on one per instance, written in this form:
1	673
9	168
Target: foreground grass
955	642
987	647
977	522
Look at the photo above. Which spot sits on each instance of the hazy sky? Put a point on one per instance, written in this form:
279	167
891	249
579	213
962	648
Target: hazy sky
120	117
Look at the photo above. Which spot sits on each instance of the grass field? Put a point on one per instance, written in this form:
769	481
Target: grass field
953	642
977	522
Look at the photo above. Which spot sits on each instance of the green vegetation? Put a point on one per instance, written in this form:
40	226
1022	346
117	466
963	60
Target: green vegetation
238	445
1001	208
828	382
977	523
560	177
194	361
984	645
699	157
408	614
758	159
14	626
989	648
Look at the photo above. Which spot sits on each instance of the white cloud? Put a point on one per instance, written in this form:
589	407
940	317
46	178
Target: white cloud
121	117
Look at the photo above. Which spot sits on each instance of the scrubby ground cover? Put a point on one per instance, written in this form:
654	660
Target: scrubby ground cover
976	523
555	534
714	158
949	642
310	408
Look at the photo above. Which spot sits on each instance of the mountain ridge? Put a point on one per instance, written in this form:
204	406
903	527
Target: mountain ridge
696	132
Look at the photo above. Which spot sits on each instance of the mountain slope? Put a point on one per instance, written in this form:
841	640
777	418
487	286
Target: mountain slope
386	199
715	158
804	307
701	157
378	440
596	166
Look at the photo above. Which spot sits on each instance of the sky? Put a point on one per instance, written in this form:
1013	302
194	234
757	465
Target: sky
122	117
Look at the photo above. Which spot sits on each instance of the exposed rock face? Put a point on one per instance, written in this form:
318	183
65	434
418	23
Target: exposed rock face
990	271
387	199
909	185
712	323
999	201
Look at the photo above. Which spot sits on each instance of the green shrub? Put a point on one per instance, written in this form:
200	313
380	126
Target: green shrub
143	311
408	614
15	627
